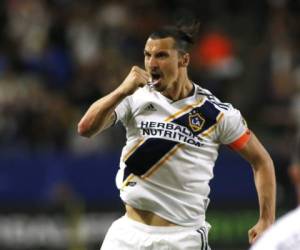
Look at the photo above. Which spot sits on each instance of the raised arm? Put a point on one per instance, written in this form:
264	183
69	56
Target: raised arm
264	177
100	114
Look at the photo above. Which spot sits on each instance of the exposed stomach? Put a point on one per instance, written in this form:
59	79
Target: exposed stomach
146	217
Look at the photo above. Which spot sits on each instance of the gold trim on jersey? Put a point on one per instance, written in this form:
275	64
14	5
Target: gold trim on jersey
166	157
171	117
184	109
133	149
128	179
212	128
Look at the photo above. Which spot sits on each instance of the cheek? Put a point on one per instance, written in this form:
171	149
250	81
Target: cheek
146	64
171	69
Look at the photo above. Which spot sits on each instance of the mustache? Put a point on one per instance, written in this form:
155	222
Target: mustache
155	71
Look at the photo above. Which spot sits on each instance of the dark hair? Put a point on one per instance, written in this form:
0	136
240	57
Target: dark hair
183	34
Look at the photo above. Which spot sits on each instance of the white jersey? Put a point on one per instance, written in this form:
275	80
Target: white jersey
283	235
171	149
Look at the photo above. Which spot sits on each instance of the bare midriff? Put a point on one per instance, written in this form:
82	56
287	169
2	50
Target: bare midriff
147	217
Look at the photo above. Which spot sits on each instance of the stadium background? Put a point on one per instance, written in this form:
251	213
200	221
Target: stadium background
56	57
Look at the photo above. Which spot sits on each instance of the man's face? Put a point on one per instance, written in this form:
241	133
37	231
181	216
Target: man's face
162	62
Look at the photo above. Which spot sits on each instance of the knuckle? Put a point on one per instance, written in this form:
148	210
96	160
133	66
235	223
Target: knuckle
134	68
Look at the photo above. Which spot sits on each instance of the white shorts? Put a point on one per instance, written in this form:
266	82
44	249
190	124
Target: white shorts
127	234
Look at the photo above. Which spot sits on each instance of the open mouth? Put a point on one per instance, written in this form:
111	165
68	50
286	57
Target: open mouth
155	76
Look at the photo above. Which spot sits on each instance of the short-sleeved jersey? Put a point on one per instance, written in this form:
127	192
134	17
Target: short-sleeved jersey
171	149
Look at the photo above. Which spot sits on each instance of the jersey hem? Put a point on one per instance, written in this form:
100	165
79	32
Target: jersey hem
200	222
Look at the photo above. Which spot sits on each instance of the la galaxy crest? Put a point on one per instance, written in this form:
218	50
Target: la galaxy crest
196	121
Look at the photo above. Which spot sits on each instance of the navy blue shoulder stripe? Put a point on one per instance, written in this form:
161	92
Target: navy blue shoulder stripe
152	150
200	118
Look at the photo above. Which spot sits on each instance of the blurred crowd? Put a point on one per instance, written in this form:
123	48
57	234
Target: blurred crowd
58	56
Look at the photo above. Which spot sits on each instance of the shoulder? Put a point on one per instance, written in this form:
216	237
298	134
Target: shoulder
230	124
141	93
224	107
141	97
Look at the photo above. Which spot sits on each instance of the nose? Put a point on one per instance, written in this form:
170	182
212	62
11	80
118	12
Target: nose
153	62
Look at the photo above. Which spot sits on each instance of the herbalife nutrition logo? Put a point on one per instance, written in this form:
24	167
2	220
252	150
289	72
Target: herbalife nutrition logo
170	131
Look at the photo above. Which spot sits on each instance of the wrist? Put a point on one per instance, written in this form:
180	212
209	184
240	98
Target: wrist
268	221
125	90
122	91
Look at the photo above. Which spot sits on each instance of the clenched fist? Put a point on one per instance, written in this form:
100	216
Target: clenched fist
136	78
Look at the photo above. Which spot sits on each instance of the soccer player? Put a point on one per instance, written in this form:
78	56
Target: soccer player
174	129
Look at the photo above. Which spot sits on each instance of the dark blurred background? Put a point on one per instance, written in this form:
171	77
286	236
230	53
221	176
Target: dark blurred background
57	189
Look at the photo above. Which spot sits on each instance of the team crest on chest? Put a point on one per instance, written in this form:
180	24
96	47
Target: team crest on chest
196	121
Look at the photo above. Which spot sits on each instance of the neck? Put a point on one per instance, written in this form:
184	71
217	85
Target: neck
180	89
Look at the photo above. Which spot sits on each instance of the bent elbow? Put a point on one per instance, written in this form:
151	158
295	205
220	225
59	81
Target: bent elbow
269	161
272	167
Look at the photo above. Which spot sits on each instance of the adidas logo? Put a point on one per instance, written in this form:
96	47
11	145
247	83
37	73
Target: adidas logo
150	107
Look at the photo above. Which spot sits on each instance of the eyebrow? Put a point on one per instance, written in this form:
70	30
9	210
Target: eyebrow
146	52
161	52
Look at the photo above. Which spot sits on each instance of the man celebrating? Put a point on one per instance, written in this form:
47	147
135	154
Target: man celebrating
174	129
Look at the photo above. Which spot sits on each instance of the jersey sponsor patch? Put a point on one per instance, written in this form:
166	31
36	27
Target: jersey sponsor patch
170	131
184	129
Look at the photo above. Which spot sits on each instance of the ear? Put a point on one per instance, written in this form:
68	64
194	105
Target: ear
184	60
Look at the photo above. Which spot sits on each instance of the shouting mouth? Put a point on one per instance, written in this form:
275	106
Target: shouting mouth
156	77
